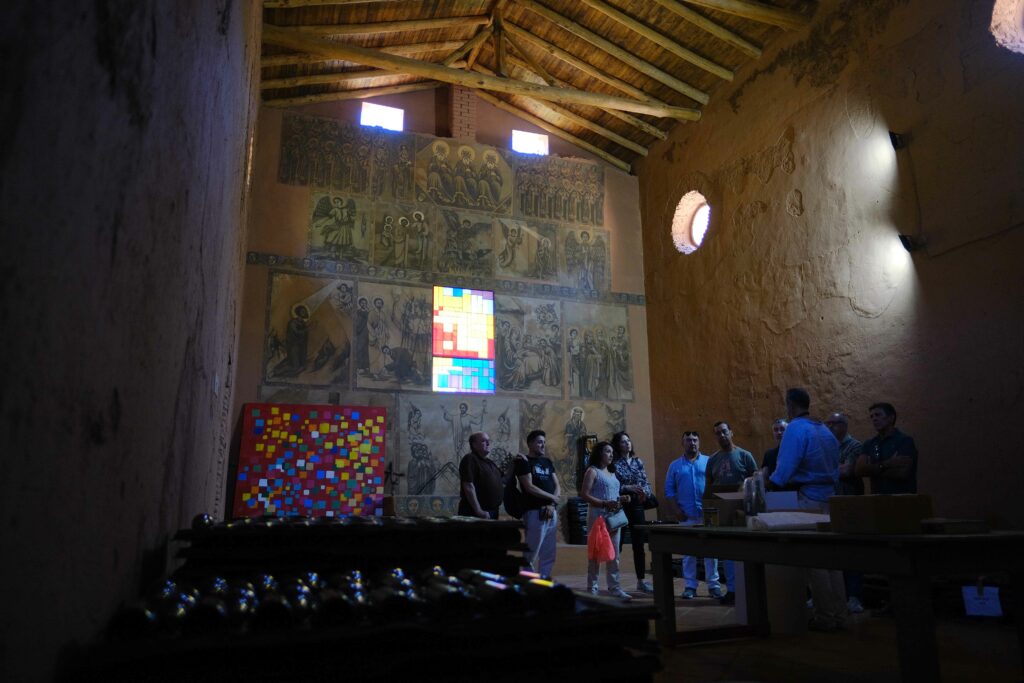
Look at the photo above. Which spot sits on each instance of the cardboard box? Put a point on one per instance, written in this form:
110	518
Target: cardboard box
879	514
727	504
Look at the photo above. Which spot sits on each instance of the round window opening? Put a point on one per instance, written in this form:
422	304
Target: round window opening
690	222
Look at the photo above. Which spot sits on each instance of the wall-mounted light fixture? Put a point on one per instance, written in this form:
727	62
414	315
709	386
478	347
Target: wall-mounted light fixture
912	242
898	140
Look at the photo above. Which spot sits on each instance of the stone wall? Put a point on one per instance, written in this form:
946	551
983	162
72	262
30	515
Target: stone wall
802	281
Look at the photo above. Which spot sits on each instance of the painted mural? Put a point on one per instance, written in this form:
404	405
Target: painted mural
559	189
391	337
586	261
464	176
339	228
309	330
403	236
466	244
434	435
565	422
525	250
529	352
597	345
391	214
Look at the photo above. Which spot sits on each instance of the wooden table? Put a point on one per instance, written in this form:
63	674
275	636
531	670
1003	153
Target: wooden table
909	561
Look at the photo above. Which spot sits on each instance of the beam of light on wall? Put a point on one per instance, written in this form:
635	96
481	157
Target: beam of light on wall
897	260
878	158
382	117
1007	25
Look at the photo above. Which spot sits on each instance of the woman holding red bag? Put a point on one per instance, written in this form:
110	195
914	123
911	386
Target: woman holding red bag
601	490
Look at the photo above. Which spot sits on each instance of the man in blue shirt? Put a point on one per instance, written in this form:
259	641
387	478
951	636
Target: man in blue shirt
684	489
809	463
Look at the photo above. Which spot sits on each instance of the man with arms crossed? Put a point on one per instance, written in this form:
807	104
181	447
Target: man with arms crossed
480	490
729	466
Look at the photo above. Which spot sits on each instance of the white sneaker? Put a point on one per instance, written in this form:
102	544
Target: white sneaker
619	593
853	605
644	587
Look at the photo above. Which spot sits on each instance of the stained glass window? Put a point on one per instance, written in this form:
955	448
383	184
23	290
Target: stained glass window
463	339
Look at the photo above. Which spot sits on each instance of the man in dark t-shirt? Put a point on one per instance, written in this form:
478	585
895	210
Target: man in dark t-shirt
541	491
889	457
480	480
771	456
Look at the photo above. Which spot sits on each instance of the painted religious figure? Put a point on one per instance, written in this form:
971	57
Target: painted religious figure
465	244
339	228
402	237
525	250
309	330
435	435
463	176
391	337
598	350
528	347
586	261
559	189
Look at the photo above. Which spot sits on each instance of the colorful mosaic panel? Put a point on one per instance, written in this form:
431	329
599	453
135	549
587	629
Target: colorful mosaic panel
314	460
464	375
463	323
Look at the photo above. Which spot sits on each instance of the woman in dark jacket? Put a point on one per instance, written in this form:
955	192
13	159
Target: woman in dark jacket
629	470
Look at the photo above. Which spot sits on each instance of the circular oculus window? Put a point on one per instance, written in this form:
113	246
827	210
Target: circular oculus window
690	222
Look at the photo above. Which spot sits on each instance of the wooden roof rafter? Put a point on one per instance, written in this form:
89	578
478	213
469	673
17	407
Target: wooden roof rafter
614	50
370	57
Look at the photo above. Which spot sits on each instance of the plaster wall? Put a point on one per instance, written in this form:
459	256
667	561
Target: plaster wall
125	132
802	281
278	225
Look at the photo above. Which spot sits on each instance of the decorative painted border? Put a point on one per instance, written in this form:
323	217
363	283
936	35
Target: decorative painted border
305	264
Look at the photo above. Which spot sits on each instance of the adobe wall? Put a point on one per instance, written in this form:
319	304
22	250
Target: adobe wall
802	281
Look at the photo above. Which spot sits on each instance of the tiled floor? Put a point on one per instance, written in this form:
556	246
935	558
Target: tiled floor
866	653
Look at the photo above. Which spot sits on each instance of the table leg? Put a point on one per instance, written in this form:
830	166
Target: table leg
1017	605
757	597
664	598
915	628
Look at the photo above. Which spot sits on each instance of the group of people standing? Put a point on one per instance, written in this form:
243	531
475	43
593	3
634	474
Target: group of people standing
814	458
615	480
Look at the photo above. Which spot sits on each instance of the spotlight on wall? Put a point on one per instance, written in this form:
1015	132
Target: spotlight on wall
898	140
912	242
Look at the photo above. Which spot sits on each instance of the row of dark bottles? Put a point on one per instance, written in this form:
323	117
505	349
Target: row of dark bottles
205	523
307	600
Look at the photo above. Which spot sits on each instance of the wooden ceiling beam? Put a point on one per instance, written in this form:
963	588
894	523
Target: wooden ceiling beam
332	78
581	121
384	26
469	45
611	48
660	39
715	29
586	68
362	94
532	67
288	4
757	11
306	43
556	131
410	49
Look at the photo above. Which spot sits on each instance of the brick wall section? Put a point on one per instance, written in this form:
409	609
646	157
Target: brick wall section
463	111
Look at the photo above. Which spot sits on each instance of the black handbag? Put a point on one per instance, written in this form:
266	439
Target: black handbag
650	502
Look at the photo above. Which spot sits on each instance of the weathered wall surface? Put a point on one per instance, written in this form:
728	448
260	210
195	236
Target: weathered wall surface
280	226
125	130
801	279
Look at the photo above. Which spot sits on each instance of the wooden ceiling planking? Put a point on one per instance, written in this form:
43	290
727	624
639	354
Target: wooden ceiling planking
616	50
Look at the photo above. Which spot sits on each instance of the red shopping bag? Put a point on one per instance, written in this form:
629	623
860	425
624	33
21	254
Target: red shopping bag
599	543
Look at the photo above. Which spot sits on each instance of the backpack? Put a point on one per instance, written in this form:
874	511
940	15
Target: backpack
513	498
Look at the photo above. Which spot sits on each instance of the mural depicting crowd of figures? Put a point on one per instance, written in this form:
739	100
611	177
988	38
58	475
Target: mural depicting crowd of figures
427	204
434	206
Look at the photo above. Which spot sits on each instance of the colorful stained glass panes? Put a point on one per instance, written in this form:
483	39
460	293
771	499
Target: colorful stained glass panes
463	340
